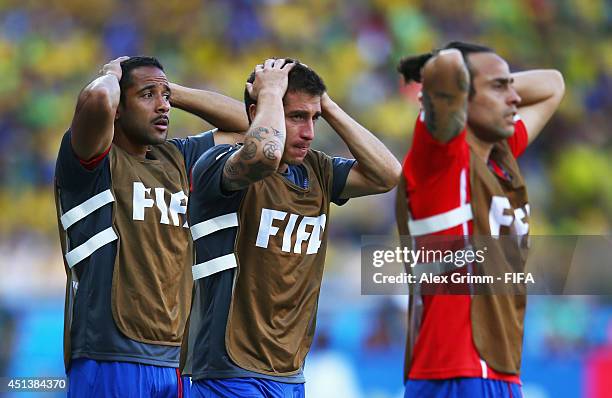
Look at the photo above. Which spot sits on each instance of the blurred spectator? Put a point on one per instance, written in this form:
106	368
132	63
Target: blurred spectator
47	49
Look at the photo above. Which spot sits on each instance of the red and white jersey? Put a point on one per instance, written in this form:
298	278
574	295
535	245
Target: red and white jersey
438	189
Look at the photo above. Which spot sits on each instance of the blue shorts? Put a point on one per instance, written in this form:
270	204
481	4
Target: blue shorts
462	387
90	378
245	387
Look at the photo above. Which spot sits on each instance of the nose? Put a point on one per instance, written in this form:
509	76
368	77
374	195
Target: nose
307	132
163	104
514	98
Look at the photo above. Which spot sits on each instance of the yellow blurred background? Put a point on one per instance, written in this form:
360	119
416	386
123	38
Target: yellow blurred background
49	50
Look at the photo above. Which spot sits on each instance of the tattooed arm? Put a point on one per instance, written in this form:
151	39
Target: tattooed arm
446	83
258	158
264	143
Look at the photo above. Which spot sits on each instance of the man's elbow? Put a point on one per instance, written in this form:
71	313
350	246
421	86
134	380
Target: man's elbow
266	167
98	98
445	61
558	83
390	177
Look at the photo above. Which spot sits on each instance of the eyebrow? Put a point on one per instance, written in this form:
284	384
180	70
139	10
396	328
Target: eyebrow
298	112
153	85
504	80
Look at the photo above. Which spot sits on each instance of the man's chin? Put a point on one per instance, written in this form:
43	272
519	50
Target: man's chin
294	160
494	136
506	133
158	138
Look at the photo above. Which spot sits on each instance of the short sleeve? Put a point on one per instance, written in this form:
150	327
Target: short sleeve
194	146
208	171
519	140
341	168
70	172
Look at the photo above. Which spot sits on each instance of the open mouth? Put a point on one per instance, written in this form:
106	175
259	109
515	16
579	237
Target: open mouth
511	117
161	123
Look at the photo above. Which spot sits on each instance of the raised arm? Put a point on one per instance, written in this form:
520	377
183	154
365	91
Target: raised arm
446	83
376	169
92	125
225	113
541	92
264	142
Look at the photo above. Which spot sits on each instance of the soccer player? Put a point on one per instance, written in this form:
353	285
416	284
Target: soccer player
461	178
260	219
121	193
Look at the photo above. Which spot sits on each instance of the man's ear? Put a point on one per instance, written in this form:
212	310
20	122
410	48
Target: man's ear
119	111
252	111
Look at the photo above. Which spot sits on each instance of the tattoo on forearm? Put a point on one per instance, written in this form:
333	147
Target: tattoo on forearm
457	121
463	80
446	108
270	149
257	133
448	98
237	176
430	112
249	150
263	133
230	169
251	163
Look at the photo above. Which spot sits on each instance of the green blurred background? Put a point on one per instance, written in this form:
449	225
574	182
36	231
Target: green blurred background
49	50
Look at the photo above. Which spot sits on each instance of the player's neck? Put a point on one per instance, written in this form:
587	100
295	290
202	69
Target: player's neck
480	147
123	142
282	168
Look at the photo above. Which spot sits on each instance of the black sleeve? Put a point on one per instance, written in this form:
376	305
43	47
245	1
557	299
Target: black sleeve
341	168
208	172
70	174
194	146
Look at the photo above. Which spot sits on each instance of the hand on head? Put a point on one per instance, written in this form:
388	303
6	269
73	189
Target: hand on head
114	67
272	75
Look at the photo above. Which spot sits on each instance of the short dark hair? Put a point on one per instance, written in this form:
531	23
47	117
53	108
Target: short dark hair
132	63
410	67
301	78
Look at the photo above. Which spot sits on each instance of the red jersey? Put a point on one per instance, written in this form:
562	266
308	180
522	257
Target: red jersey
438	188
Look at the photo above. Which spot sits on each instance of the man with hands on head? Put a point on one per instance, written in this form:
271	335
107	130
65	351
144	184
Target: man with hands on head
461	179
259	219
121	194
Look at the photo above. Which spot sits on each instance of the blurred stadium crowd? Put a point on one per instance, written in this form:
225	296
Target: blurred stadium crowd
49	50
